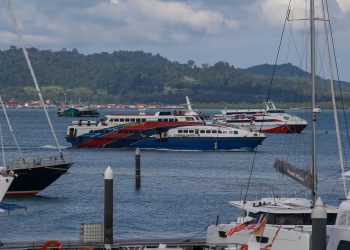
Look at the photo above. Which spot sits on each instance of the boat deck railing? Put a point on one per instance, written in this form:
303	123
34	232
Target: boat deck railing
37	161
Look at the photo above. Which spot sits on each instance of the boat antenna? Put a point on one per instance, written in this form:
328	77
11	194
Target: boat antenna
10	127
335	114
314	108
12	14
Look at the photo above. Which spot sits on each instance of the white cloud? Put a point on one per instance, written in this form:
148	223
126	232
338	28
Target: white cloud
344	5
177	14
274	11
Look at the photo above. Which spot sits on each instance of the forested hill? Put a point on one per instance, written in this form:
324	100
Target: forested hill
133	77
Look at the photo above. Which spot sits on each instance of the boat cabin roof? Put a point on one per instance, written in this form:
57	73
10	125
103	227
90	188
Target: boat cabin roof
279	206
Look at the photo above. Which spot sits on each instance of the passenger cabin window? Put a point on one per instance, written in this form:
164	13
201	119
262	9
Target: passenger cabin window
138	119
214	131
344	245
133	119
180	131
235	132
186	131
143	120
191	131
208	131
189	119
202	131
121	119
127	119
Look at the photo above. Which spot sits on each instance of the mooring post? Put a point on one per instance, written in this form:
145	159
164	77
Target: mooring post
108	218
137	168
319	226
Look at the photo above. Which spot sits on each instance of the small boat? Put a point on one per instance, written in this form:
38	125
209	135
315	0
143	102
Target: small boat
268	120
78	111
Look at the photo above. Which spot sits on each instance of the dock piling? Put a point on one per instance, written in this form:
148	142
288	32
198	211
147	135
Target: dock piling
319	226
108	203
138	168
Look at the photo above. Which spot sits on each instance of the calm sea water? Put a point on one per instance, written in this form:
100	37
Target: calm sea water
181	193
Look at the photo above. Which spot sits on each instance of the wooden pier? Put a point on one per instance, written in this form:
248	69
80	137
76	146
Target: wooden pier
128	244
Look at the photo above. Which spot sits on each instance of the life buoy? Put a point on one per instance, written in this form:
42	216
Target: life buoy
52	243
244	247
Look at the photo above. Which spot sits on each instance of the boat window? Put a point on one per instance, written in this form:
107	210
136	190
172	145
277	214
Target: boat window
219	131
343	245
171	120
191	131
176	119
138	120
127	119
214	131
208	131
143	120
133	119
121	119
165	120
186	131
165	113
197	118
189	119
159	120
202	131
180	131
235	132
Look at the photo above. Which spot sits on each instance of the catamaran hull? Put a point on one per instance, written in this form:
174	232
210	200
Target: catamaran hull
176	143
283	129
30	181
205	144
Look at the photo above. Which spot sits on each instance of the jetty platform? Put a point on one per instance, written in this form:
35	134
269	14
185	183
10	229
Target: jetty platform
126	244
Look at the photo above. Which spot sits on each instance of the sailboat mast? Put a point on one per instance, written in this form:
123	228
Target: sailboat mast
314	108
12	14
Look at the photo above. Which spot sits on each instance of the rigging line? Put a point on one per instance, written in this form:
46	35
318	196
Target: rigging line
269	93
2	147
12	14
10	127
330	65
338	78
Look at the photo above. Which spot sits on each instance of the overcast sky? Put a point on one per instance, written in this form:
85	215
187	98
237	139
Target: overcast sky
241	32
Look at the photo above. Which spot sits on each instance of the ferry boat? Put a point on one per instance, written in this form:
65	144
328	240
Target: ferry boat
202	137
268	120
121	130
176	135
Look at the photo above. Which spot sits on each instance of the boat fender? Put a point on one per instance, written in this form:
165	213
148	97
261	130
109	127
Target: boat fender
52	243
244	247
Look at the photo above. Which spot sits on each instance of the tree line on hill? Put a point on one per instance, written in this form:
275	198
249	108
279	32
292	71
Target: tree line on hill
136	76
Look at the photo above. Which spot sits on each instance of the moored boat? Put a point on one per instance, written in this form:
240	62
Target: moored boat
78	111
268	120
34	175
